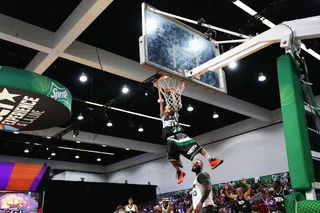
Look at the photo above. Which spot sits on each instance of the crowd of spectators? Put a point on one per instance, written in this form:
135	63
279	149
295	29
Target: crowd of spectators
261	198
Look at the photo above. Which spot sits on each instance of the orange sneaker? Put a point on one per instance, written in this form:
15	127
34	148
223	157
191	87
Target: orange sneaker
214	163
180	176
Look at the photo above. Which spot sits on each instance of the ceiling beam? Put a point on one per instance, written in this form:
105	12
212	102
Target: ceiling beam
85	13
97	139
85	54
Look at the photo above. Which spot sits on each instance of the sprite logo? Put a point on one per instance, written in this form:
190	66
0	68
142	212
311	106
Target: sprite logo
58	93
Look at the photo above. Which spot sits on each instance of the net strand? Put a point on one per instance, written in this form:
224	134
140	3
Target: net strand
171	89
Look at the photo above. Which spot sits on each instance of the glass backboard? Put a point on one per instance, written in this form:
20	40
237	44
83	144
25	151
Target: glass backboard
171	47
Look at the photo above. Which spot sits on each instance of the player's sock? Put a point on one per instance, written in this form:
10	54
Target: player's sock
207	156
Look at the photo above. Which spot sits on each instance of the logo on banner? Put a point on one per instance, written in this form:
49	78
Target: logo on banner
15	115
58	93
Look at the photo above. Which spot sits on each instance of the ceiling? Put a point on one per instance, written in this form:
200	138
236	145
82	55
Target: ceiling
117	30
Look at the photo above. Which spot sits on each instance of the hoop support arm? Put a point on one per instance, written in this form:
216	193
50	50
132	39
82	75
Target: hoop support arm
284	33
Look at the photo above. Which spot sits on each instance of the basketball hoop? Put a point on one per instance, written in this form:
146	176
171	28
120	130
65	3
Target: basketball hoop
171	89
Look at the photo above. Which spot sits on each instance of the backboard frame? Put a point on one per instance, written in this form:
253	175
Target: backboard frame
165	71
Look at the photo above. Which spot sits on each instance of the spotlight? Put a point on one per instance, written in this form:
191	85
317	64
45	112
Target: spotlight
104	145
190	108
109	124
77	157
233	65
98	159
146	94
125	89
80	117
53	154
215	115
16	132
83	78
47	149
262	77
127	149
49	158
140	129
26	151
48	137
78	141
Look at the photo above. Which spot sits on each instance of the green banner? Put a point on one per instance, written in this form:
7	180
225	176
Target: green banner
29	101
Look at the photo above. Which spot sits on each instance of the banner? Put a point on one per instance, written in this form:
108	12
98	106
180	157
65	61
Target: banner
29	101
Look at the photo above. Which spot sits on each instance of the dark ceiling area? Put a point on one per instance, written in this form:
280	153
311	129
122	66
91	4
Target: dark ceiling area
117	30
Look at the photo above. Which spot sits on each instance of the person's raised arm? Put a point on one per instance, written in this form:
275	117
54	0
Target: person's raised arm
161	103
231	196
248	192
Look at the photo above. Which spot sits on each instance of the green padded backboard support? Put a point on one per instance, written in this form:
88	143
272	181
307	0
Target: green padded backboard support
295	124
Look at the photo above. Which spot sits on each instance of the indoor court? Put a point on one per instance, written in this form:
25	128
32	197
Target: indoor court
207	106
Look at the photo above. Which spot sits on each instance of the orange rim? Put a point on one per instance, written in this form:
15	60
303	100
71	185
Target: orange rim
166	88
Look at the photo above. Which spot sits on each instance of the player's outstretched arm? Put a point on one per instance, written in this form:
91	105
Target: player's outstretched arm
161	103
231	196
248	192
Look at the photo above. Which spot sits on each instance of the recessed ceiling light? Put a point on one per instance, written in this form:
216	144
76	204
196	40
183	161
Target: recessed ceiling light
262	77
140	129
77	157
146	94
53	154
80	117
48	137
109	124
49	158
233	65
83	77
125	89
215	115
104	145
27	142
190	108
78	141
127	149
47	149
16	132
98	159
26	151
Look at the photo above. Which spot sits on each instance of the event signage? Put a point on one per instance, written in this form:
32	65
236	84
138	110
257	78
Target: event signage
29	101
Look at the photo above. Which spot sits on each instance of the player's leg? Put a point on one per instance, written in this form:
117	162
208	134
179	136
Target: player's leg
214	162
174	158
189	148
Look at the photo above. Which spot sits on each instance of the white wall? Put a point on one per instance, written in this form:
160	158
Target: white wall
76	176
257	153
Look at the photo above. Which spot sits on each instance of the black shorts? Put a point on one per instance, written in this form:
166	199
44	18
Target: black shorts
182	144
208	209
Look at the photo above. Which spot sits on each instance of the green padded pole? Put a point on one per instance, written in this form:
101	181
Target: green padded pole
295	124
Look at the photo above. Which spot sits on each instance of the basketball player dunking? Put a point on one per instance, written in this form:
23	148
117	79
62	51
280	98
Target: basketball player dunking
202	197
165	207
131	208
179	143
242	200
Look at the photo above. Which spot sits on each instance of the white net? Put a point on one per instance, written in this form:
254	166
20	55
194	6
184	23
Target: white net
171	89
